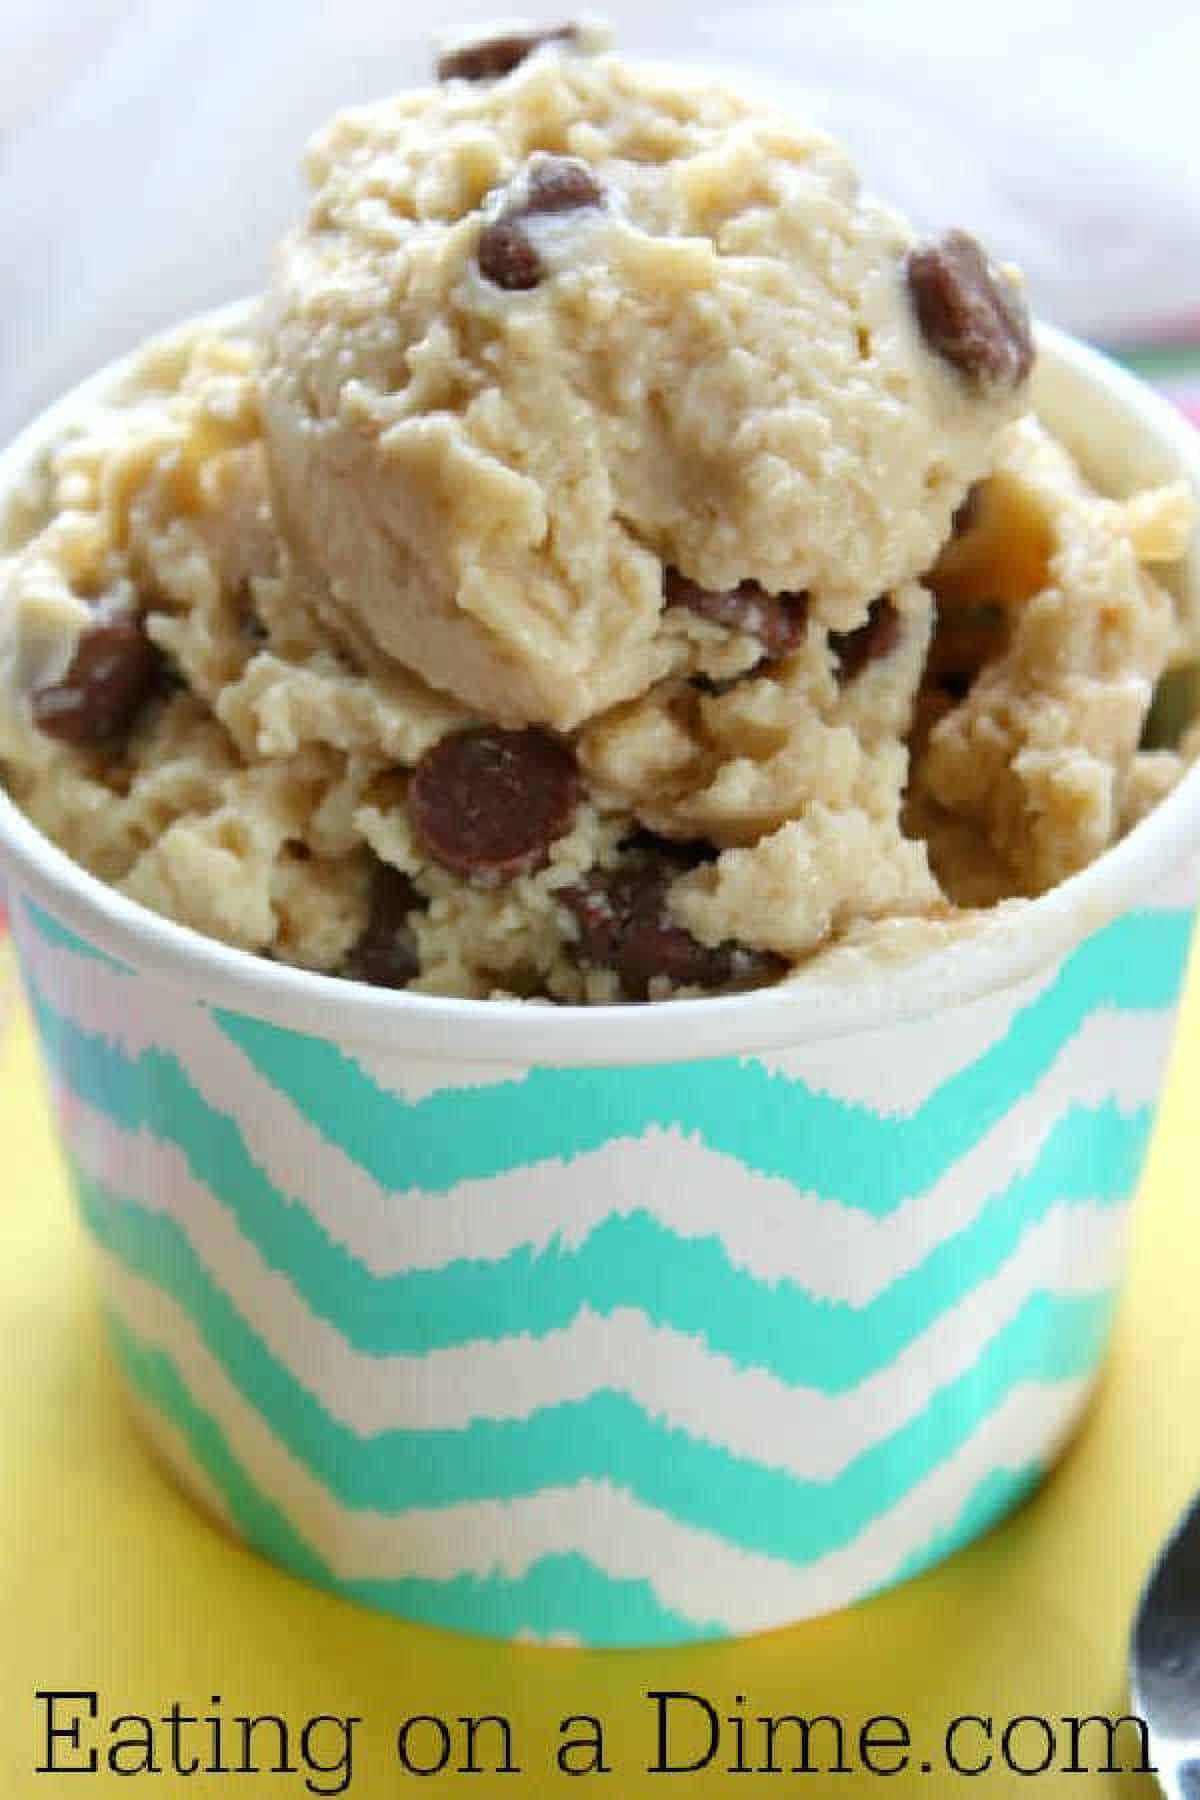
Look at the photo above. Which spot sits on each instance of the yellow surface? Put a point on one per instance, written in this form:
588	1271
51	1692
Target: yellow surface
112	1581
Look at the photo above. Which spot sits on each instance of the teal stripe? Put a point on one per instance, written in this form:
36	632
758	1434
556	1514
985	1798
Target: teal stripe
997	1495
629	1260
565	1592
769	1122
607	1436
60	938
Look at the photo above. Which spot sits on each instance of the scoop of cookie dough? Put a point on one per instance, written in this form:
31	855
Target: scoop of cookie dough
564	331
614	569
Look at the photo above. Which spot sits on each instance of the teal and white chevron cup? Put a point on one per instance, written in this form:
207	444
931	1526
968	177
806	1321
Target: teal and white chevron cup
622	1325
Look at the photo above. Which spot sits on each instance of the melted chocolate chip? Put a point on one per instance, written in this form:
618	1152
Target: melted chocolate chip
490	57
559	184
507	257
876	638
776	620
115	670
490	803
624	926
969	313
386	954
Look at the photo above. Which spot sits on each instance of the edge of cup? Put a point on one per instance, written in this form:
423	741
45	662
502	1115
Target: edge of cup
852	994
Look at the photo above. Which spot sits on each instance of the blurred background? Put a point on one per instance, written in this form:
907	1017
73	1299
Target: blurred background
149	149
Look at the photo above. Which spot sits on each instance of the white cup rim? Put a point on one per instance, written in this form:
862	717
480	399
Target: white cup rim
848	995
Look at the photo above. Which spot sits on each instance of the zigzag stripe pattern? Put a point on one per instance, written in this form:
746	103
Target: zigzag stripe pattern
556	1596
613	1528
785	1431
832	1251
376	1314
767	1121
560	1594
606	1435
1092	1153
672	1373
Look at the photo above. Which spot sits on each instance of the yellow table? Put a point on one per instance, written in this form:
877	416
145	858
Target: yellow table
113	1582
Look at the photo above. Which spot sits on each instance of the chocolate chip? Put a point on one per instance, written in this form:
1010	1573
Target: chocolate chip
707	684
559	184
115	670
969	313
555	184
955	685
490	57
624	926
490	803
876	638
680	853
965	639
507	257
386	954
776	620
967	515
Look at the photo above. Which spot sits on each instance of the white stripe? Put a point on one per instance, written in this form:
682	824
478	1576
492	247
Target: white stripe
413	1081
674	1377
766	1226
693	1572
895	1070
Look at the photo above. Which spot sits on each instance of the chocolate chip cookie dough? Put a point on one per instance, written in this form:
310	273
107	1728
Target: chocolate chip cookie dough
616	562
548	343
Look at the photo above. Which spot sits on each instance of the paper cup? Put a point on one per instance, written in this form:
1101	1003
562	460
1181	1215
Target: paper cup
621	1325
